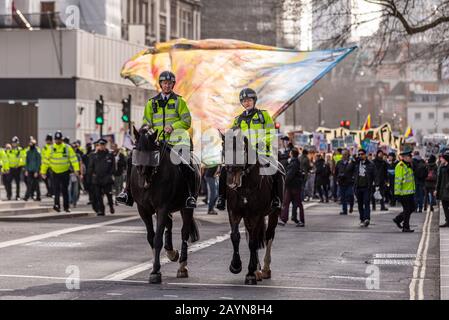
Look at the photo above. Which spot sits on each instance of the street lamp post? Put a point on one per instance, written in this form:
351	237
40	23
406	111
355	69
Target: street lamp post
320	101
359	107
380	117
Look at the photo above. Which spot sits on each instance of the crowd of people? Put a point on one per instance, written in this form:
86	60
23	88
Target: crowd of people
67	169
366	178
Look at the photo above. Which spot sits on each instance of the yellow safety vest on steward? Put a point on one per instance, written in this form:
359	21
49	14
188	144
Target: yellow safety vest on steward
60	159
404	180
261	120
175	113
4	163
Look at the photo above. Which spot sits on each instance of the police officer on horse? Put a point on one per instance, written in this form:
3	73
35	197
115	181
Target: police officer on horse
168	114
252	122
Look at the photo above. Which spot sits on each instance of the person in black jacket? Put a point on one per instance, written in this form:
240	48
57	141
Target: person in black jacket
101	169
294	180
380	179
364	180
344	173
430	182
420	173
391	165
442	187
120	169
322	177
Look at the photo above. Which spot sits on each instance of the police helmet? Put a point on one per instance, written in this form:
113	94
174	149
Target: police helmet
167	75
248	93
58	135
49	137
15	140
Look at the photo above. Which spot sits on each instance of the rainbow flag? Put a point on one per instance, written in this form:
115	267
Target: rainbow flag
367	124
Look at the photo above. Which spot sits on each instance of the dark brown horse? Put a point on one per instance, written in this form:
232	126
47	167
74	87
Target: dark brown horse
158	187
249	195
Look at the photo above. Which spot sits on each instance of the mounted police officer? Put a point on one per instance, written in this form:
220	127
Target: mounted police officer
60	160
251	121
169	114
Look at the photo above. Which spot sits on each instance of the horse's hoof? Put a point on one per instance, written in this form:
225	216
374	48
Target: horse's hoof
182	274
155	278
259	275
266	274
236	270
173	257
251	280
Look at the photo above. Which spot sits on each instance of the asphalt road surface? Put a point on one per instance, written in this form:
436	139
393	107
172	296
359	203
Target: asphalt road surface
331	258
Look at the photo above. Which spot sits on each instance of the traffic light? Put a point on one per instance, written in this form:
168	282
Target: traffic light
126	110
345	124
99	111
277	126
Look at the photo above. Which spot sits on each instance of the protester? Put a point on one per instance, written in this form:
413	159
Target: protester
442	191
430	183
32	167
344	173
364	180
420	173
322	178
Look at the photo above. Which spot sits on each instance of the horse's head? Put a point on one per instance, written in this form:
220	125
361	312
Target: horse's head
146	139
237	169
146	154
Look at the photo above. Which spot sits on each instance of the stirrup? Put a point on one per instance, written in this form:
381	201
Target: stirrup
191	203
276	203
221	203
125	199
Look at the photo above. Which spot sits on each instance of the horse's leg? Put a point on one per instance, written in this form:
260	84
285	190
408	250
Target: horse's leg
272	223
187	220
236	263
255	241
172	255
147	217
155	276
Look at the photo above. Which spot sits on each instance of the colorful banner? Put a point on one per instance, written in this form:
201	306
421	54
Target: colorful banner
382	134
211	73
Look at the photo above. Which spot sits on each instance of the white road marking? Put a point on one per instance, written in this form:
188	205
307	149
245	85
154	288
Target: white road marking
397	262
424	260
57	233
6	290
395	256
171	296
129	272
227	298
348	278
277	287
126	231
54	244
114	294
419	254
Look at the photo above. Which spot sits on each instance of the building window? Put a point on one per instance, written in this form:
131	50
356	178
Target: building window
431	115
173	19
163	29
417	115
446	115
186	24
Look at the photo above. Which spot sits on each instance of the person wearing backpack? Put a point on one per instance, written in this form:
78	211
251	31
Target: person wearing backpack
420	172
431	182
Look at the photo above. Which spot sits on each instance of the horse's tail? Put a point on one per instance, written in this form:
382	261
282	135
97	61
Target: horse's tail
259	233
194	232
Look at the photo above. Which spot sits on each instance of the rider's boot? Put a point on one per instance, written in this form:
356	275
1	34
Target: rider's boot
278	190
221	201
125	197
191	179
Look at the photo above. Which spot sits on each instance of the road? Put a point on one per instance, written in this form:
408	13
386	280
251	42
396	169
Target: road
331	258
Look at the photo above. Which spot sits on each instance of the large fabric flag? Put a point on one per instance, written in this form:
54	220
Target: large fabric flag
367	124
211	73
